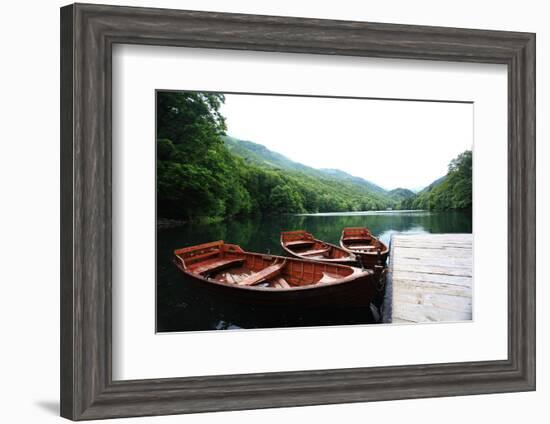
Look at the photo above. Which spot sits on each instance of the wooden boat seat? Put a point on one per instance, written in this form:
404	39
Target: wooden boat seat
362	246
299	243
214	264
265	274
356	238
329	278
281	283
315	252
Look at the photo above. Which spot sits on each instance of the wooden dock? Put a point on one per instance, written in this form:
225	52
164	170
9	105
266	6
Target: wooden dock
429	278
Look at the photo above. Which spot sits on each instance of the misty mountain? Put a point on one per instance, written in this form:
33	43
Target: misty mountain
401	193
260	155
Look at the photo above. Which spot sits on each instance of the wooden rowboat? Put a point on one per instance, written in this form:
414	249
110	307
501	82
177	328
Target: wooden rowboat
226	270
368	249
303	245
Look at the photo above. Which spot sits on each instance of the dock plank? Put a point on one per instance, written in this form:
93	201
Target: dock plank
431	278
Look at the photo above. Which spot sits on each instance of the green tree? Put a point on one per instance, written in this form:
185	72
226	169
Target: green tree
284	199
196	175
453	192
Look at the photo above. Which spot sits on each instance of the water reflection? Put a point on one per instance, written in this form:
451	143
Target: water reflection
179	308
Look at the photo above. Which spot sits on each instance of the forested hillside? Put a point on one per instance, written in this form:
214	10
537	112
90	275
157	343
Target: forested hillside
260	155
454	191
205	175
400	194
200	177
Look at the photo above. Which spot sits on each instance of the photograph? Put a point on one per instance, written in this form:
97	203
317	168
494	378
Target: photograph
287	210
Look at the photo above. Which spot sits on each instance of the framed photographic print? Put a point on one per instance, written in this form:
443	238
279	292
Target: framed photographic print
264	211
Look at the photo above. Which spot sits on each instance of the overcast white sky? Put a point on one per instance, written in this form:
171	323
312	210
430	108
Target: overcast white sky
391	143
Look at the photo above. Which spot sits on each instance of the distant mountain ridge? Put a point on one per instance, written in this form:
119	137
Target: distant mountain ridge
401	193
349	186
261	155
344	175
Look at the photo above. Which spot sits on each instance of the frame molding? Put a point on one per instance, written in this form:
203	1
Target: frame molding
88	33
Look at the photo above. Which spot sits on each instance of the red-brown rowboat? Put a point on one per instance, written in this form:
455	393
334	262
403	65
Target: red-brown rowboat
367	248
228	271
301	244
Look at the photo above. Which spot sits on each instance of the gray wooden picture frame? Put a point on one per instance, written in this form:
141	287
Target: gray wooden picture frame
88	33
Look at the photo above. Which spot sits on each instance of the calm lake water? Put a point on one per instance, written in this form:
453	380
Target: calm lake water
180	308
